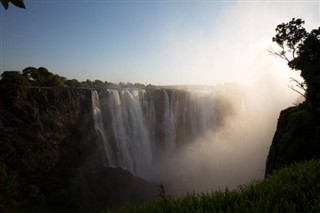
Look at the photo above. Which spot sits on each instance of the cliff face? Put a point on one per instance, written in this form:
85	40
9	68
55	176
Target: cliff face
297	137
49	145
43	121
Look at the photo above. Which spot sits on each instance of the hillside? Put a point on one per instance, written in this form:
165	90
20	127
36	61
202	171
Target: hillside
291	189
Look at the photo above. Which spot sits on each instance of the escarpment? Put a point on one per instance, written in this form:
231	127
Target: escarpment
42	121
54	154
297	137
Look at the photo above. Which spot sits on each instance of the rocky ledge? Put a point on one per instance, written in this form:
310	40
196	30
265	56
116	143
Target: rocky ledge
297	137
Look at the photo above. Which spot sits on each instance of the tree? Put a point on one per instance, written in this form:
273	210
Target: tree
98	83
13	78
42	77
73	83
301	49
17	3
13	86
12	83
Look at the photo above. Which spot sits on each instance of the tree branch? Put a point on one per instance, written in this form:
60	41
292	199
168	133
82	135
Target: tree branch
301	85
280	54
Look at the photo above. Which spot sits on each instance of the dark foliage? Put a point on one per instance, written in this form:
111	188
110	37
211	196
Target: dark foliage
297	137
12	88
301	49
42	77
14	82
17	3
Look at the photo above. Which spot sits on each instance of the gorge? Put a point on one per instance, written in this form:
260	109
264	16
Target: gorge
76	145
249	142
205	134
136	127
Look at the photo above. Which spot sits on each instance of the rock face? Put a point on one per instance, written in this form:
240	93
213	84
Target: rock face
44	121
297	137
53	149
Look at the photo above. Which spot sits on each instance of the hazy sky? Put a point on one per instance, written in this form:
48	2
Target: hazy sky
157	42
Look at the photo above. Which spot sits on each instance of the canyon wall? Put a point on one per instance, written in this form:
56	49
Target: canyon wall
296	139
50	145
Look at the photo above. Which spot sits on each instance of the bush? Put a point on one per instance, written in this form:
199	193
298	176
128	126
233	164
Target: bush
291	189
7	188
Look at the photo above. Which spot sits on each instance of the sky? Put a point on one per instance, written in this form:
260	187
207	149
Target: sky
157	42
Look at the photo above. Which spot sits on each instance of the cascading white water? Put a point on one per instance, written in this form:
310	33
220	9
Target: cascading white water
186	139
169	128
99	127
132	138
139	125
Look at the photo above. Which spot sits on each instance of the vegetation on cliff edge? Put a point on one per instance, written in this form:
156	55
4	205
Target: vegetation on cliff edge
301	50
42	77
291	189
298	131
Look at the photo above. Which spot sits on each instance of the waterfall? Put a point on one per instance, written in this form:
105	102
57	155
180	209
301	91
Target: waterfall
136	126
169	129
130	130
99	127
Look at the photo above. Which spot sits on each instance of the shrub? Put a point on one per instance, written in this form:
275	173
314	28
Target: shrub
291	189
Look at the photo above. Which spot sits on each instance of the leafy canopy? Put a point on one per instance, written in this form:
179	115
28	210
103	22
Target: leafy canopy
301	49
17	3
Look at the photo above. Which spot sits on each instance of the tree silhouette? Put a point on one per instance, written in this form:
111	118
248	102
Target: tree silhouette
42	77
17	3
301	49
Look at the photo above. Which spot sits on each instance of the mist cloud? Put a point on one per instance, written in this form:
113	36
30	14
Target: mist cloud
237	51
234	154
233	46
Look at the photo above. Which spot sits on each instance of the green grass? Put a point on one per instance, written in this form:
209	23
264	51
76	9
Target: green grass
292	189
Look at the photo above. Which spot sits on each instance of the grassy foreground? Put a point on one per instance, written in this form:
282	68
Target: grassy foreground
292	189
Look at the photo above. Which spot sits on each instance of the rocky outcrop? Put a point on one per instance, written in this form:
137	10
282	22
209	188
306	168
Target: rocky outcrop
297	137
55	152
43	121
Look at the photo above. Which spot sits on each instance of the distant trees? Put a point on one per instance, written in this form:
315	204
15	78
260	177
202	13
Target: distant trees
135	85
42	77
17	3
301	49
14	79
15	82
12	87
72	83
